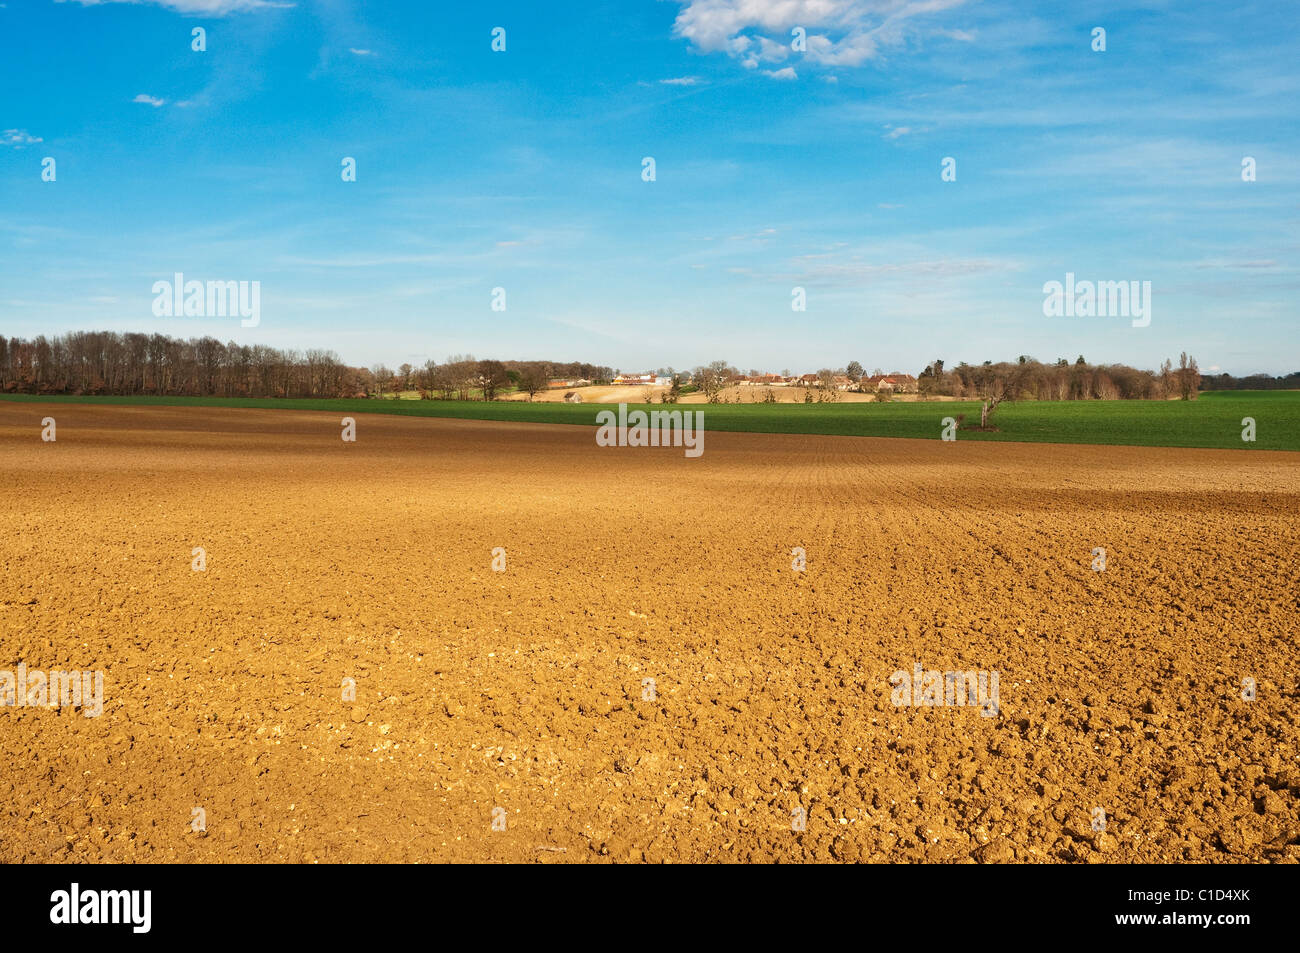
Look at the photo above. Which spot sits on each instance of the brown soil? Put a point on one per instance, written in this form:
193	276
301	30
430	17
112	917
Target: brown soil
523	689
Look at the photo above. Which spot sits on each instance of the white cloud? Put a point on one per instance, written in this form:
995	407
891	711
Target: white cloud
838	32
897	132
153	101
19	138
213	8
786	73
361	52
680	81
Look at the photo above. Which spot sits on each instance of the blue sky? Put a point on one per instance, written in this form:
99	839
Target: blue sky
522	169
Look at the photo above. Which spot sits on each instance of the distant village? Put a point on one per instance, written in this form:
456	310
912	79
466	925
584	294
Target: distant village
866	384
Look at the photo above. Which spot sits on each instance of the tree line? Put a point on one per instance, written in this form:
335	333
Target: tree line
108	362
1023	379
1029	379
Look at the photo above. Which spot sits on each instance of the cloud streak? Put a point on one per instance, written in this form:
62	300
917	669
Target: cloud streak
211	8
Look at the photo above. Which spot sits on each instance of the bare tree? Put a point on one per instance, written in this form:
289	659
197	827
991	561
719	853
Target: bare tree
443	380
1189	377
712	379
826	391
491	378
533	379
992	394
1166	378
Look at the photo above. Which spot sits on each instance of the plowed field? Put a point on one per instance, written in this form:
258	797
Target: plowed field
525	689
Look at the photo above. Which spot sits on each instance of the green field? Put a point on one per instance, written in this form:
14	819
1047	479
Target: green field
1212	421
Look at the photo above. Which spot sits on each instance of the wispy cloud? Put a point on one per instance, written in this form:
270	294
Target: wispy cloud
786	73
825	271
361	52
760	235
211	8
366	261
1258	263
19	138
680	81
153	101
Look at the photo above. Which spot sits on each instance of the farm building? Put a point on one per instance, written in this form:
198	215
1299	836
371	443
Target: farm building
896	383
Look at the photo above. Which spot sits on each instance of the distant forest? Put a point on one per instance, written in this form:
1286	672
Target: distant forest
107	362
1251	382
